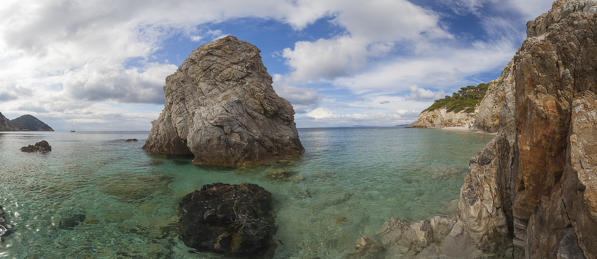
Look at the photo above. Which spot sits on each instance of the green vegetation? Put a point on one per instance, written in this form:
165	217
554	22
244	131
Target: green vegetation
466	99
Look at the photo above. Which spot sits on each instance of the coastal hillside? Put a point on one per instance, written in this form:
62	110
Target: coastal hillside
458	110
532	191
23	123
5	124
29	123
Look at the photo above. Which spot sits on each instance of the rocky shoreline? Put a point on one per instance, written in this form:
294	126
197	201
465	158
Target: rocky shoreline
532	191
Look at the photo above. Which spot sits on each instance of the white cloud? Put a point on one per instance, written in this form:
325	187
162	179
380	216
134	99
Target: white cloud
417	93
441	68
68	58
373	27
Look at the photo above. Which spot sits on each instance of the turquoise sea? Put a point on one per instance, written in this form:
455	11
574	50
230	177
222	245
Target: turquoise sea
96	196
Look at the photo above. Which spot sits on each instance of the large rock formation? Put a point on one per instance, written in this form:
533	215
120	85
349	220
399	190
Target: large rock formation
221	107
228	219
5	124
441	118
533	190
29	123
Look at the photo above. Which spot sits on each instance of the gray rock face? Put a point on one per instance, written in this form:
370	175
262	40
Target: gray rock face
441	118
30	123
5	124
221	107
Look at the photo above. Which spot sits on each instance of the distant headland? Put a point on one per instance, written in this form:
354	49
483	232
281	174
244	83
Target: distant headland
24	123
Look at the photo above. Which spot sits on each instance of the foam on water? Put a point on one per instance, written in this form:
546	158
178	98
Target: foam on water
95	195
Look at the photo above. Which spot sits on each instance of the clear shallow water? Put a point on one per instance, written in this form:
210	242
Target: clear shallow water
348	183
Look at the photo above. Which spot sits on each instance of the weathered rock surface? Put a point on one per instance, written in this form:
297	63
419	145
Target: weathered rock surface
29	123
441	118
489	111
41	147
532	191
5	124
228	219
221	107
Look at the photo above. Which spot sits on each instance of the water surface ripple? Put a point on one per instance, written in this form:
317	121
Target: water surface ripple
97	196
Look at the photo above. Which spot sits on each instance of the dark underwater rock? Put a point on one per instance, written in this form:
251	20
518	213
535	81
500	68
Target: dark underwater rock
42	147
228	219
71	222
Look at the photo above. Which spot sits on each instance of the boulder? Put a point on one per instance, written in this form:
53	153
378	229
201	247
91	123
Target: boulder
41	147
221	108
228	219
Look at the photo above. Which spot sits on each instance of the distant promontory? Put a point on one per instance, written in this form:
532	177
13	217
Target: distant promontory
24	123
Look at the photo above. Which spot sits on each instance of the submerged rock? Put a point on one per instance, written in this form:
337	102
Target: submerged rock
280	175
221	108
228	219
71	222
131	140
42	147
135	187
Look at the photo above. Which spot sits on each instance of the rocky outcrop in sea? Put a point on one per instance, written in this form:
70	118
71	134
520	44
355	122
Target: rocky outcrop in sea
221	108
41	147
532	191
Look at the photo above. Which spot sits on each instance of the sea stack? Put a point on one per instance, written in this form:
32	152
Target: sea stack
221	108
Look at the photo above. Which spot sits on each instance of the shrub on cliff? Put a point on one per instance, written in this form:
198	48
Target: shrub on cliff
466	99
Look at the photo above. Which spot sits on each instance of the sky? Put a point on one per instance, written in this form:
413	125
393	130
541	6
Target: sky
102	64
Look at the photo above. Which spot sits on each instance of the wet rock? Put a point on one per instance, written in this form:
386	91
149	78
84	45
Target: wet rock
41	147
131	140
228	219
71	222
5	228
221	108
281	175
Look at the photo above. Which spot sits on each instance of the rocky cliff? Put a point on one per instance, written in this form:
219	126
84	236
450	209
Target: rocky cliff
30	123
532	191
458	110
5	124
441	118
221	108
